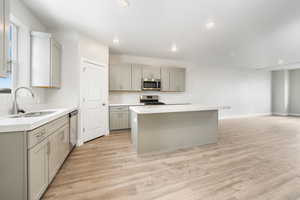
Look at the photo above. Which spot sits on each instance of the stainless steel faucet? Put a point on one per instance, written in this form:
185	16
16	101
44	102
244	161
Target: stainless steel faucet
16	109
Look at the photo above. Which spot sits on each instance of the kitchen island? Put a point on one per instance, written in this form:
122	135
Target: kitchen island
171	127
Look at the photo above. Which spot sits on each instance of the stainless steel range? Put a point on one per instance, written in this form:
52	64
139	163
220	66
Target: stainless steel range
150	100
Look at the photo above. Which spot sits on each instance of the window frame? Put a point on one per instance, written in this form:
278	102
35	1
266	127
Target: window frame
13	58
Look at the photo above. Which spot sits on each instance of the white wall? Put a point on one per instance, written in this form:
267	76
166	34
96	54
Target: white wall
75	47
68	94
24	16
246	91
93	50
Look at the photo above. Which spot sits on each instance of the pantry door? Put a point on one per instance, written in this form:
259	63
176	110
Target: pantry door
94	98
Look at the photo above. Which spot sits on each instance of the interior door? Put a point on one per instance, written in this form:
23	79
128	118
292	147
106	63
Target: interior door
94	94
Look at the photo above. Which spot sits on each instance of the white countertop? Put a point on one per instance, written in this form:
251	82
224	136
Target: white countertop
174	108
25	124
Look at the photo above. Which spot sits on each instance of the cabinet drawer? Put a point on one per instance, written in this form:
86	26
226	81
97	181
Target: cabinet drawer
119	108
36	136
55	125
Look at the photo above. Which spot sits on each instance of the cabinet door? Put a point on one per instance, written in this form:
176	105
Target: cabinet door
38	170
119	120
40	60
54	153
114	121
177	80
65	143
4	31
180	87
151	72
59	148
120	77
136	77
56	52
124	120
165	79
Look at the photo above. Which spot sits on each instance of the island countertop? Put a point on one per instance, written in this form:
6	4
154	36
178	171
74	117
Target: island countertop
174	108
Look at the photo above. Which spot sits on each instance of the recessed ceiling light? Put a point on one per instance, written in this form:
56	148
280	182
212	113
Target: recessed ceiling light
280	61
174	48
116	41
210	25
124	3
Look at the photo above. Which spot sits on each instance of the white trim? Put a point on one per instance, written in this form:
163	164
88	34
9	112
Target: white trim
88	61
18	22
280	114
245	116
293	114
84	61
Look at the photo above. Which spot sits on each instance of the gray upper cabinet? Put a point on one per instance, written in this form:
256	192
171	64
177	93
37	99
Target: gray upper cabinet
165	79
151	72
136	77
56	52
45	61
128	77
4	36
173	79
120	77
177	79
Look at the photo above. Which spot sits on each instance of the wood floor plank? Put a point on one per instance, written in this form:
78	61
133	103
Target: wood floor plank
255	158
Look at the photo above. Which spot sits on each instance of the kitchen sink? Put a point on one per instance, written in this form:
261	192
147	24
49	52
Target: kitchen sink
33	114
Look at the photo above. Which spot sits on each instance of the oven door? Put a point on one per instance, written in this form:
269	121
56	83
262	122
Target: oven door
151	85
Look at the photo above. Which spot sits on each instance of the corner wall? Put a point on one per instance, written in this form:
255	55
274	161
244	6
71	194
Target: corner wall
294	91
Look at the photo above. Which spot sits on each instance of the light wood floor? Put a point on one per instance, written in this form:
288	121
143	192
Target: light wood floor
256	158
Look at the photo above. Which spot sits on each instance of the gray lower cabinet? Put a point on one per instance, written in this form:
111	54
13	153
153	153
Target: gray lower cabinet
13	165
38	178
30	160
58	150
119	118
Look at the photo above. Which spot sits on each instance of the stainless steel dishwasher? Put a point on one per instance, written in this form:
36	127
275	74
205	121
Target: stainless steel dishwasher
73	128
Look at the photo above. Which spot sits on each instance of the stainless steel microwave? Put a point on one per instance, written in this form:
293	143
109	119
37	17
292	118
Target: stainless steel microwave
151	84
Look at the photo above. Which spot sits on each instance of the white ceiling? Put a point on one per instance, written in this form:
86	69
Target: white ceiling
249	33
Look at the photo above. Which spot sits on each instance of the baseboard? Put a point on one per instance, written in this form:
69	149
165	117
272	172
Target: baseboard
79	143
245	116
294	114
280	114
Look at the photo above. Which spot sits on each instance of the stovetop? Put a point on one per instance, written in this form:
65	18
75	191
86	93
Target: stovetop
154	103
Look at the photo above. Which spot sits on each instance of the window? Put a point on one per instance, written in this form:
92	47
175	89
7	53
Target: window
7	84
